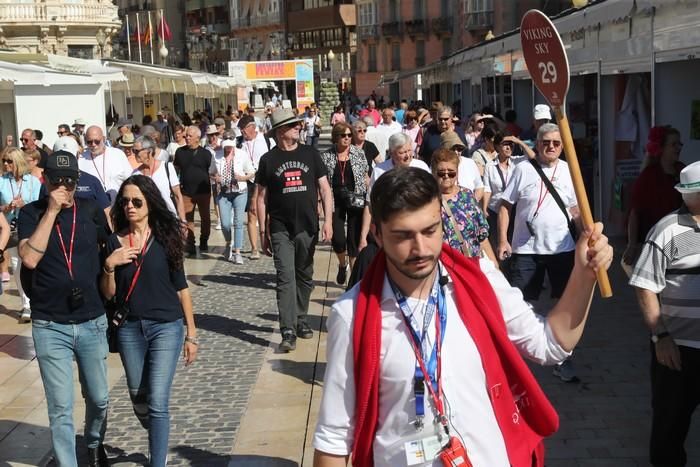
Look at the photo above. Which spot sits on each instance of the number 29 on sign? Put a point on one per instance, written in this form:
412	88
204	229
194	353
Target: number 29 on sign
549	72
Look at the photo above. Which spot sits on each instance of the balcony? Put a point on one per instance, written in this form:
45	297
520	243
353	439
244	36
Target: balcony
333	16
442	25
395	28
56	13
367	31
416	26
479	20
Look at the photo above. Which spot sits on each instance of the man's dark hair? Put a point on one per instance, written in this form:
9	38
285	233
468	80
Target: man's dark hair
402	189
39	134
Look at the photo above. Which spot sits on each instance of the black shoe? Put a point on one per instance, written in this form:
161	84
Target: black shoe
97	457
203	246
289	341
304	331
190	249
342	275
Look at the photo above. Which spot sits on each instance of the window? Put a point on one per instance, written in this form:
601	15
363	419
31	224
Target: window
396	56
81	51
372	58
420	52
445	8
367	13
478	6
446	46
394	13
419	9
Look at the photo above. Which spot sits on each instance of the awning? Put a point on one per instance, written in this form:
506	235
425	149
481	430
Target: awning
389	78
601	12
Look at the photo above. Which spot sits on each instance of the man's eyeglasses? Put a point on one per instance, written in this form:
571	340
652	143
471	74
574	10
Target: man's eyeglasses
8	161
361	130
447	173
64	180
93	142
551	142
24	140
137	202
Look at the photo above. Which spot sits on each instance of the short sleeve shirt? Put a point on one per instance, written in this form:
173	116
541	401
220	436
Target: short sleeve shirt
468	218
193	166
291	179
165	181
111	168
52	283
155	292
28	189
536	206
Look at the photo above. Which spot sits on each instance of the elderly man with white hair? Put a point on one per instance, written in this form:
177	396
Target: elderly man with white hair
668	290
376	137
401	155
109	165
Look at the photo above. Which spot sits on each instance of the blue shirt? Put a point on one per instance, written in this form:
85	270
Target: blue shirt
28	188
400	115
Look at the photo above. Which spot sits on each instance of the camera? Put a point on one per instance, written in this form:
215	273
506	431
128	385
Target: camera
120	314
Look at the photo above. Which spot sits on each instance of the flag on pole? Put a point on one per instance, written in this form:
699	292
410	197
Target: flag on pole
163	29
147	33
128	36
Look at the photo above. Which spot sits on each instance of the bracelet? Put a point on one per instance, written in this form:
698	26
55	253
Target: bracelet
192	340
108	271
35	248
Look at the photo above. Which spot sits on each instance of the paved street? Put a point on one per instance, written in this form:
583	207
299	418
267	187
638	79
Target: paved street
243	404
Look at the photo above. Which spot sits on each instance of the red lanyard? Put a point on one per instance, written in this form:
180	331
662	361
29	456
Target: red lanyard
104	174
541	197
139	264
251	151
342	165
68	255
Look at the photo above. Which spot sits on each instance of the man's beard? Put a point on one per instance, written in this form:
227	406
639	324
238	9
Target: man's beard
402	267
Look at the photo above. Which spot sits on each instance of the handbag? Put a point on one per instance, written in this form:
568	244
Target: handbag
351	200
555	195
118	310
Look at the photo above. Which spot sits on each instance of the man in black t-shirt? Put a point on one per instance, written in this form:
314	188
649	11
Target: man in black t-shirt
59	239
290	178
192	163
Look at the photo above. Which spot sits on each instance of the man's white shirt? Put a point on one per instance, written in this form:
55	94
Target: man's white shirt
468	175
111	168
464	380
494	184
380	139
160	178
387	165
256	147
550	226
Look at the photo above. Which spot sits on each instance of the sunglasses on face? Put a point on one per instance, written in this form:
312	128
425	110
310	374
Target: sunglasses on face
24	140
551	142
360	130
447	119
137	202
447	173
8	161
64	180
507	144
93	142
458	148
61	133
346	135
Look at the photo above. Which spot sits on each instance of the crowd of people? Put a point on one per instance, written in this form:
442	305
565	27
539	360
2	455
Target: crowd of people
435	220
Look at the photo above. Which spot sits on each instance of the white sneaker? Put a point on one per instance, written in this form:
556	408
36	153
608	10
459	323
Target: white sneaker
25	316
238	258
218	225
231	257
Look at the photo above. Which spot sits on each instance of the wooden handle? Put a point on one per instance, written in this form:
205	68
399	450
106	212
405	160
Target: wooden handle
581	196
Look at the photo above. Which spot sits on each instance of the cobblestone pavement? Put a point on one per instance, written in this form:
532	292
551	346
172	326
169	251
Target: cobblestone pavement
235	315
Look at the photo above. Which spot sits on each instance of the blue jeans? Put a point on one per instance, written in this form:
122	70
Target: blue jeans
527	273
56	346
232	205
149	351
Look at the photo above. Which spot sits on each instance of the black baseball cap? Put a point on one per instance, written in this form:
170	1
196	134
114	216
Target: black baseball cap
62	164
245	120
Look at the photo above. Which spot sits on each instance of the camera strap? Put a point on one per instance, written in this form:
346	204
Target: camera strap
68	252
146	246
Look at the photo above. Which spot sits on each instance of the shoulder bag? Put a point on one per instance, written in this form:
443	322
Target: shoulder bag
555	194
450	216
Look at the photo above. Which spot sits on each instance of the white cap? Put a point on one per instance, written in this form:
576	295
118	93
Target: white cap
541	112
66	143
227	143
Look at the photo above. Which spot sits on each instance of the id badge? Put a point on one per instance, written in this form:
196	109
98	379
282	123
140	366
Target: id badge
424	450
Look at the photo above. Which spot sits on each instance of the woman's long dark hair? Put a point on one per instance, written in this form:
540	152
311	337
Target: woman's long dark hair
164	225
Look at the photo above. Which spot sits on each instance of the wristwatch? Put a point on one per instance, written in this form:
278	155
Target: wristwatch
657	337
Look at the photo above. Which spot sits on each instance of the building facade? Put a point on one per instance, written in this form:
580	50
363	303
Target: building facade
257	30
207	31
80	28
397	37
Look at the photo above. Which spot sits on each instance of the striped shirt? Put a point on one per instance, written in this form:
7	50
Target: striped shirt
669	265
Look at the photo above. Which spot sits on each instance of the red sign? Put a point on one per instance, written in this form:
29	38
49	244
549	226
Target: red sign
545	57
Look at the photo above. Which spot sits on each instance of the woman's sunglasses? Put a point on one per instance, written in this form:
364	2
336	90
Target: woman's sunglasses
137	202
447	173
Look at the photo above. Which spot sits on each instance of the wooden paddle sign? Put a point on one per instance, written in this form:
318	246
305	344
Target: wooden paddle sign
546	61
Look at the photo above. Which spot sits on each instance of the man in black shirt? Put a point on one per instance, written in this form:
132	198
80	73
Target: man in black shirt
289	178
59	244
192	163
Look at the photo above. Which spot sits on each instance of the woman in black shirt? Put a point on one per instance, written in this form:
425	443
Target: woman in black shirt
144	271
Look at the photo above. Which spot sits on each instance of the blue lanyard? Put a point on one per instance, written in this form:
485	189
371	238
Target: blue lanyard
436	301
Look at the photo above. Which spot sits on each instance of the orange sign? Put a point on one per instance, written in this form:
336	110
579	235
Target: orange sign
270	71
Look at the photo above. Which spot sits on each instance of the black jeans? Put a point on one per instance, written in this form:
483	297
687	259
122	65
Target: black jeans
294	261
527	273
674	397
340	241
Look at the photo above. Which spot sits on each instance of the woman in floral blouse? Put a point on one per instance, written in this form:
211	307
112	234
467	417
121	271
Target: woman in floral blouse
464	224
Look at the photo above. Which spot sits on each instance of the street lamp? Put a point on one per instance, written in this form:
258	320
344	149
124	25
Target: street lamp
331	57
